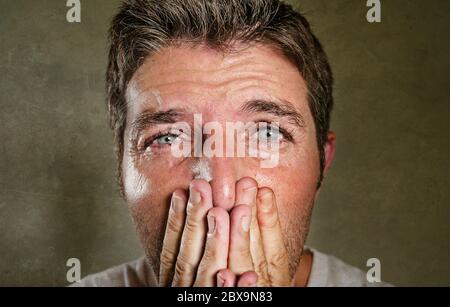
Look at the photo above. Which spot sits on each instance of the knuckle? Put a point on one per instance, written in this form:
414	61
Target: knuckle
183	268
241	252
268	220
279	260
167	259
243	248
209	256
174	224
192	224
245	253
261	267
205	276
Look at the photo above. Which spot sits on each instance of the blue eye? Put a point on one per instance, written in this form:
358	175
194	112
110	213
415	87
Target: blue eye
270	134
166	139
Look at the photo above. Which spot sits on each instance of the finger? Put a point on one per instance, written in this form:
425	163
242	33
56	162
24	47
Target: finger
239	256
272	238
172	237
226	278
248	279
246	191
216	249
194	234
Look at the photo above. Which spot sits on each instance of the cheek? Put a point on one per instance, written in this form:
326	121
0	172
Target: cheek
148	186
294	182
295	195
150	181
136	184
292	186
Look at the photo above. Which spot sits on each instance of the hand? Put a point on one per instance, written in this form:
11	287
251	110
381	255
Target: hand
195	245
259	250
205	246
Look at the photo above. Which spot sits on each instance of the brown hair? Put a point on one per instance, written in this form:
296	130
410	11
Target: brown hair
143	27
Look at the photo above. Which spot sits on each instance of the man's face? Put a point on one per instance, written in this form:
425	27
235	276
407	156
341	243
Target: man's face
182	81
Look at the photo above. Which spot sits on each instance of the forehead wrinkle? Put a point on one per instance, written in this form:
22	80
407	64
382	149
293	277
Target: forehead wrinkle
222	59
199	79
226	74
149	95
238	69
206	89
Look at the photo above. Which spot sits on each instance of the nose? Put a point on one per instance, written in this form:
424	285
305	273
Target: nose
224	177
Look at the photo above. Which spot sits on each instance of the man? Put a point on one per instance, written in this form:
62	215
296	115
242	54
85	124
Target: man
213	219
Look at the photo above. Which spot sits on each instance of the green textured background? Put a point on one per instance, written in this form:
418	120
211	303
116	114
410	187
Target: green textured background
386	197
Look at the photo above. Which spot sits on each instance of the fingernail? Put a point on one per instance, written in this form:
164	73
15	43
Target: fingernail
196	197
177	204
245	223
250	195
211	224
220	281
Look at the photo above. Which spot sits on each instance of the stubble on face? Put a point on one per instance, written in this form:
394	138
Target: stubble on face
150	204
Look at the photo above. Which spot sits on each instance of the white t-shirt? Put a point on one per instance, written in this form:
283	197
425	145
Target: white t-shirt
326	271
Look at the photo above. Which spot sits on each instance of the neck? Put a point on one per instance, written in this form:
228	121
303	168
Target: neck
301	277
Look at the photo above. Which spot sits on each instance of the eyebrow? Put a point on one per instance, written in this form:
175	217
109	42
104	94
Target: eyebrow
283	109
150	118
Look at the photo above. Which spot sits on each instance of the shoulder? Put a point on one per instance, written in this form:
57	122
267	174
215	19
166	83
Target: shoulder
137	273
329	271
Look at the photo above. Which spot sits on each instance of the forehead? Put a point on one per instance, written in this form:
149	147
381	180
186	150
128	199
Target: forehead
198	78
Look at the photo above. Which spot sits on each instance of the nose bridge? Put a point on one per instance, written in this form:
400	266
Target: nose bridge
224	176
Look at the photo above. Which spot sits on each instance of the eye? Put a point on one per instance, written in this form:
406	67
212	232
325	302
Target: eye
166	139
270	134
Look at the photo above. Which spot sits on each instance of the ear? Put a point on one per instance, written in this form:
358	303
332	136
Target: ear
329	150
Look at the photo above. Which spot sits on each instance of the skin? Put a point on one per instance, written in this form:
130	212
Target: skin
244	225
